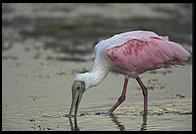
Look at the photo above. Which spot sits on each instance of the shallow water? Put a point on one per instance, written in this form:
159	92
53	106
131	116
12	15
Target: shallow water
41	100
45	46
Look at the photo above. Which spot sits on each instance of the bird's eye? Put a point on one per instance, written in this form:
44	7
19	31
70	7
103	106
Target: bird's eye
78	88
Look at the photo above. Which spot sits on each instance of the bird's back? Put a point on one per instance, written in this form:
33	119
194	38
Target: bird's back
139	51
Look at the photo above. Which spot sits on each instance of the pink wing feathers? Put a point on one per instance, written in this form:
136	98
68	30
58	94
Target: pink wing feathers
140	55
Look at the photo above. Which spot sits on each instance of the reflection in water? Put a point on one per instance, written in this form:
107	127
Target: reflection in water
115	120
144	125
122	127
75	126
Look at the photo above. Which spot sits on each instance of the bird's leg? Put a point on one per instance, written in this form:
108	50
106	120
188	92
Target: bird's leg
121	98
145	93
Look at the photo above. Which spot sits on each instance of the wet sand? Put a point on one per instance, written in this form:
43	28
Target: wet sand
40	61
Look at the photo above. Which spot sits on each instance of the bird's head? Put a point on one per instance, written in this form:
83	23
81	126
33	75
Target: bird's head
78	88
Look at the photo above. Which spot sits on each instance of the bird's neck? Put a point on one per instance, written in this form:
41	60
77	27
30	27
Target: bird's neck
92	78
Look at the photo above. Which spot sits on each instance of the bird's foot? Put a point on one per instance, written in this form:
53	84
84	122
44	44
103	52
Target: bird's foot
69	115
144	112
109	113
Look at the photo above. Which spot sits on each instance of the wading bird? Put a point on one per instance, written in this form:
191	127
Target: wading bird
130	53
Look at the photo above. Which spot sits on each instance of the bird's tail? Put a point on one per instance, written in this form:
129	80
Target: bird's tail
180	53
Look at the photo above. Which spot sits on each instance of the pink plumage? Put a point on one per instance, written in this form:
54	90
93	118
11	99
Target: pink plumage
131	54
145	51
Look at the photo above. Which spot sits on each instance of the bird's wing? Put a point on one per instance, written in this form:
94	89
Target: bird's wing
119	39
145	54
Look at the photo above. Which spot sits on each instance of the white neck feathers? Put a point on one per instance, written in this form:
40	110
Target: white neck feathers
92	78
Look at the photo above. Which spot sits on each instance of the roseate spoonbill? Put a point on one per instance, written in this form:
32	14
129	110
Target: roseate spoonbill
130	53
